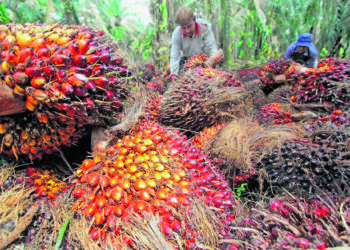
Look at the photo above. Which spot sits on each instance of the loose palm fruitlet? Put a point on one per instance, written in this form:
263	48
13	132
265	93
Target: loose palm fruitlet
300	165
68	76
151	170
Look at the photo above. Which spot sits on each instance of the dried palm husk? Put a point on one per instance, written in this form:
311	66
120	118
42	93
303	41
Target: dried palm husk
242	142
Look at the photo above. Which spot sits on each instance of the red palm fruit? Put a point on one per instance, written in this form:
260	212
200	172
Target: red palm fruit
3	54
105	57
20	77
5	67
63	40
43	53
101	82
87	164
42	117
24	54
38	82
98	70
80	91
89	104
90	85
19	90
100	202
38	43
55	93
118	210
40	95
90	210
33	71
109	94
94	179
117	193
3	128
117	61
12	59
165	228
145	195
67	88
62	76
80	60
23	39
138	206
75	69
60	59
73	48
173	200
10	81
29	105
78	192
8	40
49	71
92	58
95	233
82	45
78	80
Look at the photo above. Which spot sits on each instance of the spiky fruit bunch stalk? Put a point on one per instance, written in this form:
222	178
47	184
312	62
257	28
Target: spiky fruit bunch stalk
151	170
65	74
303	166
197	100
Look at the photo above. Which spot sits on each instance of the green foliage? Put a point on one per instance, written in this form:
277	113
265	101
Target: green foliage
241	189
3	14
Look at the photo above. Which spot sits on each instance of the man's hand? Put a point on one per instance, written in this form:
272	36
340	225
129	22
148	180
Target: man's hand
216	58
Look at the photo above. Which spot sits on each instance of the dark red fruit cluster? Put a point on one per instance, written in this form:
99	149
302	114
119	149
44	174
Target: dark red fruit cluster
272	113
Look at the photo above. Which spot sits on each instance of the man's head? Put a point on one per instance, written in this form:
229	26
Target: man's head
304	42
186	20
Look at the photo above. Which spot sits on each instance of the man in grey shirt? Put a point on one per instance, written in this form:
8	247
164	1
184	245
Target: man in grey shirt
192	37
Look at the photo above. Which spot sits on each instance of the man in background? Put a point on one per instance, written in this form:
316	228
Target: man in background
192	37
303	51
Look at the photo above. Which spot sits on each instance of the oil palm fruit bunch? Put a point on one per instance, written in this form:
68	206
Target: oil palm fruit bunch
301	166
270	69
198	100
156	171
273	113
338	119
199	61
324	84
68	76
287	222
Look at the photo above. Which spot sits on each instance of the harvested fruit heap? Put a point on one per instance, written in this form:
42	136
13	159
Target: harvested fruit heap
68	77
201	98
157	171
